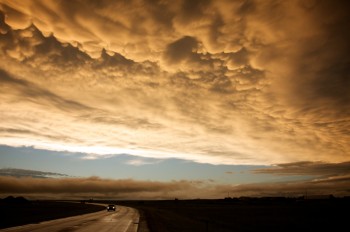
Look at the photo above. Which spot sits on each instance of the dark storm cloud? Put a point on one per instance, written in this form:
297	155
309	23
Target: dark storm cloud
191	10
181	50
3	26
15	172
239	58
224	81
325	85
314	75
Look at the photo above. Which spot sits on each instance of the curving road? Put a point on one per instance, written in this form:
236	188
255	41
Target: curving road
124	219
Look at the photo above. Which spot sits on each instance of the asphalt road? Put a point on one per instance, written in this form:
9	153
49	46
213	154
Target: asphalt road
124	219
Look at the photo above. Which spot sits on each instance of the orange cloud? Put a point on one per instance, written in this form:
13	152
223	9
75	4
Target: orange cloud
223	82
308	168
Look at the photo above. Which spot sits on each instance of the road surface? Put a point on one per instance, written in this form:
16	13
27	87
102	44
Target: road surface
124	219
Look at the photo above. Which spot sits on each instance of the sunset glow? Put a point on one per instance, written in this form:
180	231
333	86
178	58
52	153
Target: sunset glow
206	82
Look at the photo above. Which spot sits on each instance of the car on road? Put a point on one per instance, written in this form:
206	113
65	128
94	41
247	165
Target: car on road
111	208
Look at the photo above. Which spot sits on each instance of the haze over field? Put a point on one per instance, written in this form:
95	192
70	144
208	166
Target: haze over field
164	99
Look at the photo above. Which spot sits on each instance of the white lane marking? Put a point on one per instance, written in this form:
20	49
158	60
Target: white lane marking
127	227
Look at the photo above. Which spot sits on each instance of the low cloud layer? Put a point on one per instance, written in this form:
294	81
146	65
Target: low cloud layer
15	172
132	189
222	82
308	168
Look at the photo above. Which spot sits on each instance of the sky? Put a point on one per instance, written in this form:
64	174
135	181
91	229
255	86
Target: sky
160	99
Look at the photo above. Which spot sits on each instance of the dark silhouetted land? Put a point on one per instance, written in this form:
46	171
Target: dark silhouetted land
20	211
245	214
231	214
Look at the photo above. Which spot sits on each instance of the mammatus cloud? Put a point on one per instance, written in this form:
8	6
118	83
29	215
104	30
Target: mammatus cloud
222	82
132	189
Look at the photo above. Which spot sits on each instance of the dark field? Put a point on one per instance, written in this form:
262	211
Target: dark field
21	212
245	215
252	214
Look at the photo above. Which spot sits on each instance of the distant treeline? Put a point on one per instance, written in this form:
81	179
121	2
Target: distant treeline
14	200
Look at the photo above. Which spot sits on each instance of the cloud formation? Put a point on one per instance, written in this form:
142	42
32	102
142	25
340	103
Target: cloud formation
222	82
308	168
95	187
15	172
